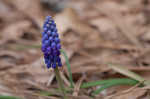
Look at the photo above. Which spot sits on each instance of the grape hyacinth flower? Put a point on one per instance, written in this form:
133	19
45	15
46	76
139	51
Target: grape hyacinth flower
51	49
51	44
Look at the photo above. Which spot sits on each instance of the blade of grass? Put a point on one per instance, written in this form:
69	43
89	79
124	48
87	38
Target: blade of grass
128	73
9	97
103	82
115	83
68	67
46	93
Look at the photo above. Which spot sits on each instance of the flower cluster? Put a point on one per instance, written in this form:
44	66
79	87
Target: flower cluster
51	44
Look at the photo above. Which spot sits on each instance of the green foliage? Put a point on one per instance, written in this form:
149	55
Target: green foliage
115	82
8	97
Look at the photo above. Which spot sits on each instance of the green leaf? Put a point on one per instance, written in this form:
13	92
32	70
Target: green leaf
68	68
8	97
115	83
103	82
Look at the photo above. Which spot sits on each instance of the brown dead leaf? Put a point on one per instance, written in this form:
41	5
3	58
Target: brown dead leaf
7	13
9	59
69	19
31	8
38	70
15	30
125	27
134	94
146	36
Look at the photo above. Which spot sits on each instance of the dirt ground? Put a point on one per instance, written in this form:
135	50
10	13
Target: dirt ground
93	33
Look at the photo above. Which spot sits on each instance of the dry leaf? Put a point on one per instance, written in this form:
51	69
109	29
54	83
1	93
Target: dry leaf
134	94
31	8
69	19
15	30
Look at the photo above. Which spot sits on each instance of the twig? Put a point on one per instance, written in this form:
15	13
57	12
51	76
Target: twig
77	86
50	79
64	78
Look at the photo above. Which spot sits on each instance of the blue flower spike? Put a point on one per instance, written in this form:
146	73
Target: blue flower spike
51	44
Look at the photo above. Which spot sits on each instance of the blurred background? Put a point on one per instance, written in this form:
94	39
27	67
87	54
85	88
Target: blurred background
93	33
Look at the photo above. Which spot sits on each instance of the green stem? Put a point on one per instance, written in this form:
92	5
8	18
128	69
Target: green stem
68	67
114	83
61	85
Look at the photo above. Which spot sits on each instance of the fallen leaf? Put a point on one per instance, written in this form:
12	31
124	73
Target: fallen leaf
14	31
30	8
134	94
